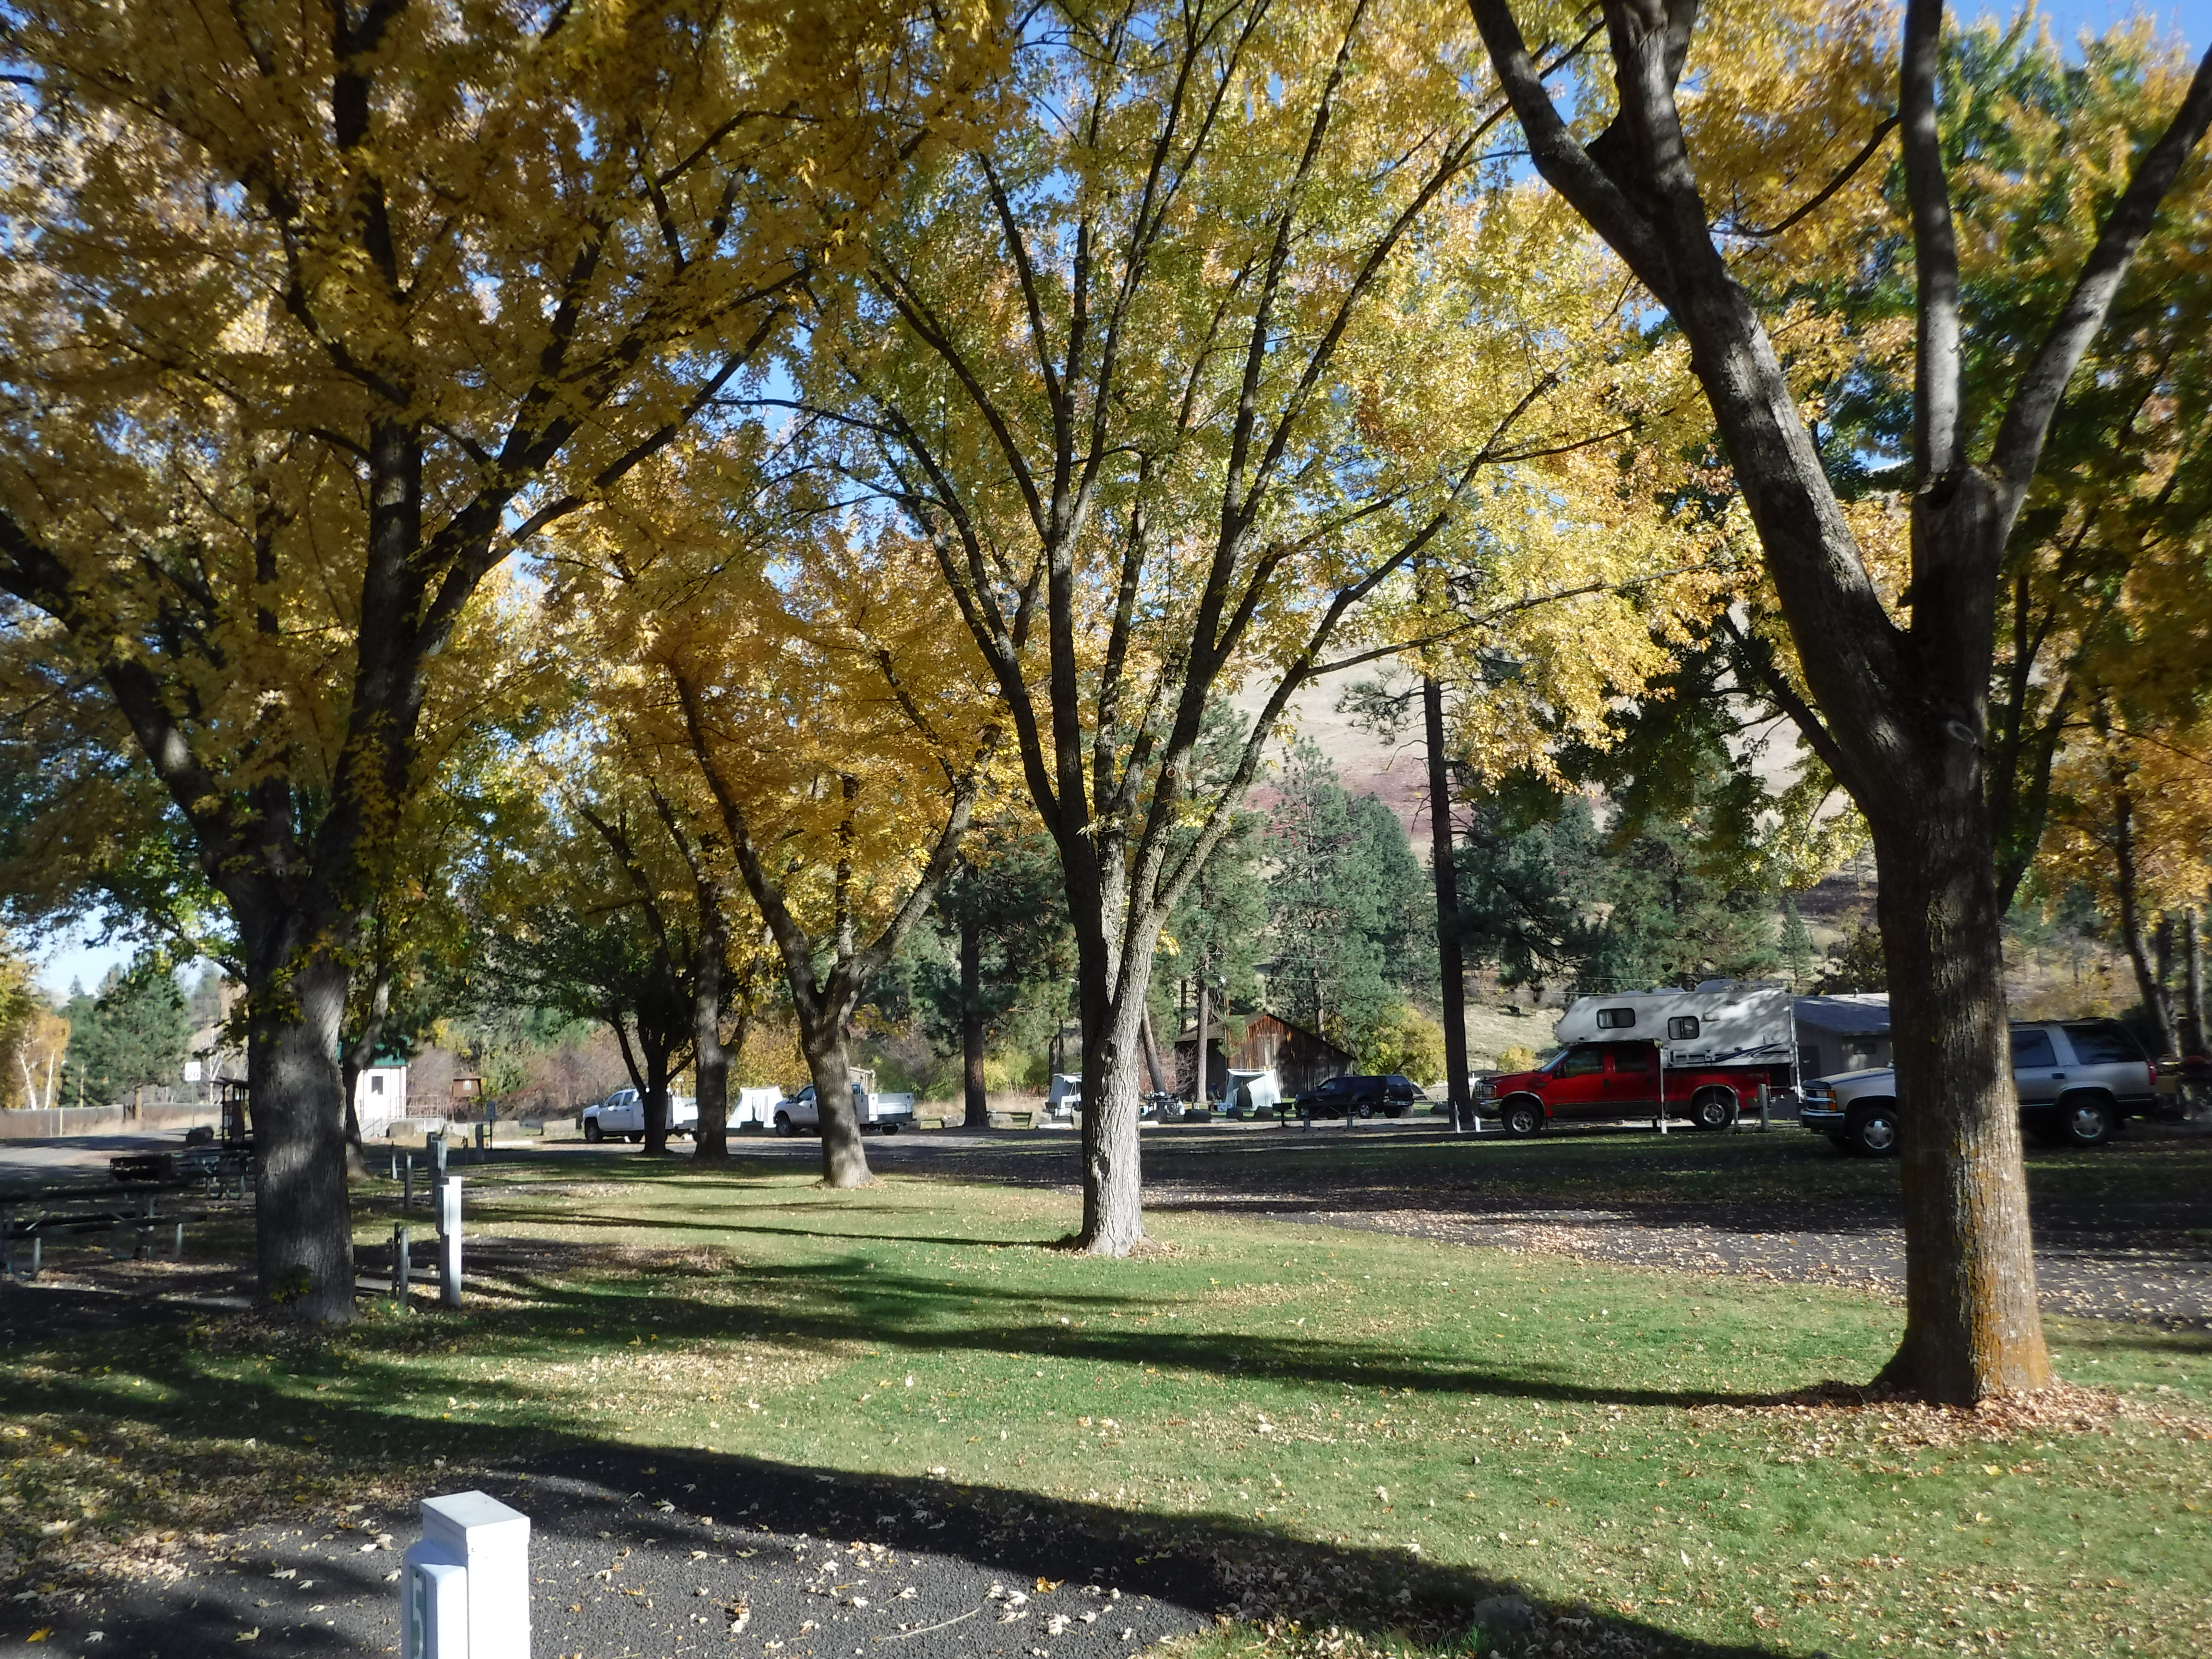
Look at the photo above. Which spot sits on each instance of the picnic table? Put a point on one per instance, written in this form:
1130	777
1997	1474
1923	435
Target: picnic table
139	1209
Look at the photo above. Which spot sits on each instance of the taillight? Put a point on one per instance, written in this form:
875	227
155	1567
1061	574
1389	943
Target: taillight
2150	1072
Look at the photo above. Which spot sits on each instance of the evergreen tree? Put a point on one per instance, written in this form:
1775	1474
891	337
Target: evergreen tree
1341	906
1797	943
1003	958
1529	875
132	1034
1675	914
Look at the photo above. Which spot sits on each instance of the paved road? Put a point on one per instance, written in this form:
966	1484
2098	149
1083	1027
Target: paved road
661	1553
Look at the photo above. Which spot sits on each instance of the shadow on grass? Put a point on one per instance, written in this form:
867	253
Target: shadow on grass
580	1489
852	1301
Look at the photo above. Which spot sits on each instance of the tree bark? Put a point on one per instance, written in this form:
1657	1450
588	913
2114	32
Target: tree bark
828	1064
710	1058
1451	967
1198	1087
654	1097
296	1000
2192	957
1152	1049
978	1112
2127	890
1972	1322
1112	1187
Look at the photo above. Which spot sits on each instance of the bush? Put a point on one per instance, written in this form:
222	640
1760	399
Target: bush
1404	1040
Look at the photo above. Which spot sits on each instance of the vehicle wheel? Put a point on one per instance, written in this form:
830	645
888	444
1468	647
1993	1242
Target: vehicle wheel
634	1139
783	1123
592	1133
1715	1109
891	1128
1366	1108
1874	1130
1841	1143
1521	1118
1393	1111
2087	1120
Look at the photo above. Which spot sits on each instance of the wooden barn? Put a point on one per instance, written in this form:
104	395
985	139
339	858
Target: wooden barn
1300	1059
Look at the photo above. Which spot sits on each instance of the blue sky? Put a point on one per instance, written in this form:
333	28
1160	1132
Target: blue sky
75	957
2193	18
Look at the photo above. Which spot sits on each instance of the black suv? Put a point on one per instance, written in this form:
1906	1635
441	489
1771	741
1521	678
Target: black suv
1341	1097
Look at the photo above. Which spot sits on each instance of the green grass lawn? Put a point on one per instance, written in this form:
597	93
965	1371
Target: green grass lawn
1589	1434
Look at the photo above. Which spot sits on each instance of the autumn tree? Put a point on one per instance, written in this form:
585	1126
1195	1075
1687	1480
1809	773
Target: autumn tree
579	917
1173	376
1898	710
332	311
801	689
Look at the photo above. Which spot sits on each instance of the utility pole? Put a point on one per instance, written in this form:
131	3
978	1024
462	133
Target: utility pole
1451	970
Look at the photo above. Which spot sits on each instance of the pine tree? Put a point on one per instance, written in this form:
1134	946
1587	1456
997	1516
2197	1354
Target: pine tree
132	1034
1797	943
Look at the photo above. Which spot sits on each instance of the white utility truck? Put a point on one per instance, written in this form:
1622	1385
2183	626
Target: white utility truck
884	1114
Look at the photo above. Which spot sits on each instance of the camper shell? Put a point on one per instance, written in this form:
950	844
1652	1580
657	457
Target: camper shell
1702	1054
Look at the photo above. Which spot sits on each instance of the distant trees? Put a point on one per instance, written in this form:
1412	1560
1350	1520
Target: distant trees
130	1035
31	1036
1002	913
1352	929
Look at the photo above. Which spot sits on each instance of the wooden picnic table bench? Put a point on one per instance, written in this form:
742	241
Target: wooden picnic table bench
31	1218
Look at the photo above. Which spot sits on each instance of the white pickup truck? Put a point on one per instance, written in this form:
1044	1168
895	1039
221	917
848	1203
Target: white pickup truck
621	1117
886	1114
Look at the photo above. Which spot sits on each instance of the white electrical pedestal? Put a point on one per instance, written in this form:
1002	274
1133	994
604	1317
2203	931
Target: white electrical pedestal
464	1588
449	1241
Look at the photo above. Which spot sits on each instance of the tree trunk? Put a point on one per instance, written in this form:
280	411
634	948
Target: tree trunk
303	1219
654	1097
1151	1048
978	1114
1197	1086
2127	886
1113	1190
710	1059
828	1064
1972	1324
2192	957
1451	967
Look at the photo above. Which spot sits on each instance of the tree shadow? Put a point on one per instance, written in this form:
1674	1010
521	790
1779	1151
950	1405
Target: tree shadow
875	1305
589	1495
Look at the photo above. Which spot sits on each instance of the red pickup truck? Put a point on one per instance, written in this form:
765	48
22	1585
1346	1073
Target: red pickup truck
1591	1081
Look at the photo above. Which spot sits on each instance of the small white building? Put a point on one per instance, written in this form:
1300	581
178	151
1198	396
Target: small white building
380	1096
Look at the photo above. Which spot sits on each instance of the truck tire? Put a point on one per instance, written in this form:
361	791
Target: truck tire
891	1128
782	1128
1521	1117
1393	1111
2086	1120
592	1133
1873	1129
1712	1108
1367	1109
634	1139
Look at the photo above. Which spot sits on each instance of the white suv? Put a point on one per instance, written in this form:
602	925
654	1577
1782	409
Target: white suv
2077	1079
